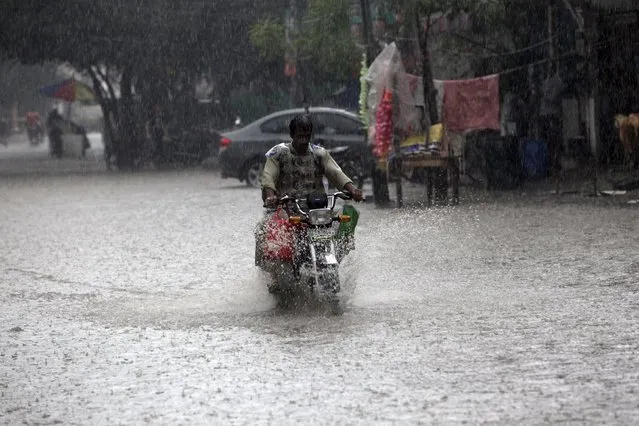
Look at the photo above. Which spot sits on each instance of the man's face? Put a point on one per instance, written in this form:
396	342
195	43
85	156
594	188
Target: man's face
301	140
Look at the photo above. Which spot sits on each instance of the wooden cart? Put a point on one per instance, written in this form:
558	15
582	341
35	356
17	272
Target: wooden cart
429	162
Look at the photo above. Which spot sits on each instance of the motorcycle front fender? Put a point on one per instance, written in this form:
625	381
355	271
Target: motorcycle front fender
323	254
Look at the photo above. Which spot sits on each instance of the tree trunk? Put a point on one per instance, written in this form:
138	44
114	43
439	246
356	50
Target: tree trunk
106	104
381	195
127	150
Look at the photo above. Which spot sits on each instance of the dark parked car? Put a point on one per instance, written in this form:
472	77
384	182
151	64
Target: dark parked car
242	151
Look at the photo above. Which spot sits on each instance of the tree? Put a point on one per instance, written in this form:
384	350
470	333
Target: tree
326	40
327	51
151	49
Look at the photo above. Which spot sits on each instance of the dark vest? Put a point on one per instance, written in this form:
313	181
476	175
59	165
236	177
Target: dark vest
300	174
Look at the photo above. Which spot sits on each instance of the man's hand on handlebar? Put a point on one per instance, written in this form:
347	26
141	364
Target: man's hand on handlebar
269	198
271	201
355	193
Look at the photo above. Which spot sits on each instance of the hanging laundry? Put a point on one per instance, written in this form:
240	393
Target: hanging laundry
471	104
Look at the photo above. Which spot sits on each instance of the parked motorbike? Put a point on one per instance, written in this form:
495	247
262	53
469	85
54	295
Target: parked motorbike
179	148
35	132
186	148
308	247
352	162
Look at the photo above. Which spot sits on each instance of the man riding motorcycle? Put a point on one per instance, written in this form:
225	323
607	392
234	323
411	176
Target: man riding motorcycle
297	169
35	131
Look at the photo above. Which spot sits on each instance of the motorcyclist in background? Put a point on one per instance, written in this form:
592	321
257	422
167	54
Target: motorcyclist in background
297	169
35	130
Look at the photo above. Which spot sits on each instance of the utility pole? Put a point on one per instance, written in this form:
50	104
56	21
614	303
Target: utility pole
588	65
430	93
591	84
380	181
291	65
551	43
367	25
437	177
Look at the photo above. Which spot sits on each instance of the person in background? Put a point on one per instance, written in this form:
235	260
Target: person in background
550	117
54	126
34	127
4	131
156	132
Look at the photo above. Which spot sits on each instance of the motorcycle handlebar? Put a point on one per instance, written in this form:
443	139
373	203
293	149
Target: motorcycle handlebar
344	195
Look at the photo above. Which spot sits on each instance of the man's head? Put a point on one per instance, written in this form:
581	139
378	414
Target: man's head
301	129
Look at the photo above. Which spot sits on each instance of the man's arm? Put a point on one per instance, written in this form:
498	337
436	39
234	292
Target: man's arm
338	178
333	172
269	177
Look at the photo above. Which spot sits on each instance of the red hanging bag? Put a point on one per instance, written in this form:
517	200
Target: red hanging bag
279	238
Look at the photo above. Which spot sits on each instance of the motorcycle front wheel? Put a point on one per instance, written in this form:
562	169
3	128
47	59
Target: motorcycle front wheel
329	288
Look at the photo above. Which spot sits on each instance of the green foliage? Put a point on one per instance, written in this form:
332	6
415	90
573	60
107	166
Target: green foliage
268	37
485	6
326	38
251	106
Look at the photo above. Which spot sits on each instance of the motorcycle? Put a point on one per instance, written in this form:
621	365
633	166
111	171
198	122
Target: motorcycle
35	134
179	148
303	250
186	148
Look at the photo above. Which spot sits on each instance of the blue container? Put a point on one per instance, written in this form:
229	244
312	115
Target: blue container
534	157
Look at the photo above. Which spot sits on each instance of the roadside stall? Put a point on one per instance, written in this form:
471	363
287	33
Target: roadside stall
402	144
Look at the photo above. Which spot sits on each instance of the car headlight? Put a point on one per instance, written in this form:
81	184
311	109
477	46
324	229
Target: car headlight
320	216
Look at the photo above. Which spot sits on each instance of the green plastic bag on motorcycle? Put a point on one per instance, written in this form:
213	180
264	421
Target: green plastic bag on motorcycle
347	229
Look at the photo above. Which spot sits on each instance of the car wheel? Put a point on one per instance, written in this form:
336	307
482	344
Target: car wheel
254	173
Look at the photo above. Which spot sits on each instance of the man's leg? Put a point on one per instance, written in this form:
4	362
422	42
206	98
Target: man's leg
260	232
57	145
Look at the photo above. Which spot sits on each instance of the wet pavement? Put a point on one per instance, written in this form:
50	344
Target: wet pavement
132	298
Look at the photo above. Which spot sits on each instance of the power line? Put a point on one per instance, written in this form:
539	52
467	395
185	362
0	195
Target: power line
564	55
494	55
524	49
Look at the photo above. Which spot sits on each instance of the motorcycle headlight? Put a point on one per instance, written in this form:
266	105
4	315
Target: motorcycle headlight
320	216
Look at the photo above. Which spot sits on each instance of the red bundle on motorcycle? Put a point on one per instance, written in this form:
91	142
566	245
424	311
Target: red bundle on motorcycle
279	238
33	118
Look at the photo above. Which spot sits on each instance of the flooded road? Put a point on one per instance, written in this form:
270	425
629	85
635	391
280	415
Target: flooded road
133	298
